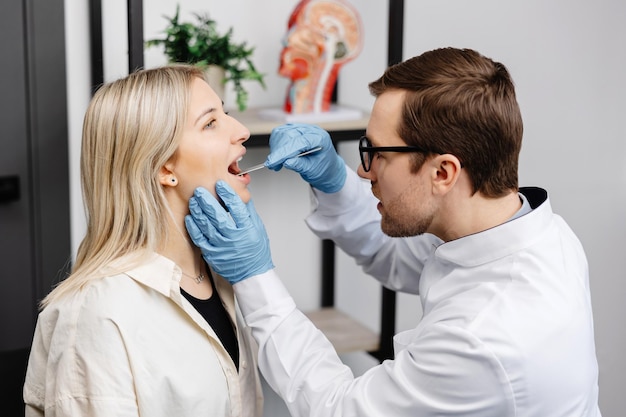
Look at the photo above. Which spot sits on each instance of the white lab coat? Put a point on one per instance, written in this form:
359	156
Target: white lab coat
507	327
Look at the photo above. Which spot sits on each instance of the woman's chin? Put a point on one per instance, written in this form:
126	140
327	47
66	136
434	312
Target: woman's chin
245	196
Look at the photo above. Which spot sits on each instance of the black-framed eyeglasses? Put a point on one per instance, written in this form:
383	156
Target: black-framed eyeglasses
367	151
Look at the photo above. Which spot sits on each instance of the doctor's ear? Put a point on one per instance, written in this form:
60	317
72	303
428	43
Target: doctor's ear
446	172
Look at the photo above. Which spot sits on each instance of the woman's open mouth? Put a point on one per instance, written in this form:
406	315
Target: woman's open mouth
233	168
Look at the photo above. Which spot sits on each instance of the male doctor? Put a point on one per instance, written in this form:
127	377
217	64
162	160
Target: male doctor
507	326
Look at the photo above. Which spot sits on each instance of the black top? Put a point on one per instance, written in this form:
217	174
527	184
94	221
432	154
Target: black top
215	314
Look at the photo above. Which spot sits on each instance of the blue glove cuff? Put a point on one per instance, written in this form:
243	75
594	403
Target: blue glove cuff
334	183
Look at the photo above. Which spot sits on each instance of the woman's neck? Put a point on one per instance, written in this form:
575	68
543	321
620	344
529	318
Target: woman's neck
181	250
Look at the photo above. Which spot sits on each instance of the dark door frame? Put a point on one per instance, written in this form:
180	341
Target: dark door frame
44	173
42	197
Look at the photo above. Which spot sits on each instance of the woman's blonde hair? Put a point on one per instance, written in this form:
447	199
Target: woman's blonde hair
131	129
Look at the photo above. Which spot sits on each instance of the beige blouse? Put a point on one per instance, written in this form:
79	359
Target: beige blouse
131	344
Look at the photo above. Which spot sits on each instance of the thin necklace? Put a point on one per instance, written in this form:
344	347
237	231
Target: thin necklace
198	278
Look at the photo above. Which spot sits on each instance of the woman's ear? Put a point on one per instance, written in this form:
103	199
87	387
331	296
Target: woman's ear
446	173
167	177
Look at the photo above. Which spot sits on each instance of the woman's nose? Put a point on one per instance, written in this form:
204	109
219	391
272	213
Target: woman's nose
240	132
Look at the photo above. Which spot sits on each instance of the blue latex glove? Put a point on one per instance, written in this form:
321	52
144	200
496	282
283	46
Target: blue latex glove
324	170
234	242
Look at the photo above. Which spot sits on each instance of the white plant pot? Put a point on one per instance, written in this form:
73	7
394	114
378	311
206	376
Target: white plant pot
215	77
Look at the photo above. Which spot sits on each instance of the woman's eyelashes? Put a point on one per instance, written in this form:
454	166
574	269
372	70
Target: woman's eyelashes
210	124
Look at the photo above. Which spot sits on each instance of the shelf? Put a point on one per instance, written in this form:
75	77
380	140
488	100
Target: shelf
330	321
261	128
345	333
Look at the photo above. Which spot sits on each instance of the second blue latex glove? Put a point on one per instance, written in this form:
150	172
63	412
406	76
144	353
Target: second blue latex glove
234	243
324	170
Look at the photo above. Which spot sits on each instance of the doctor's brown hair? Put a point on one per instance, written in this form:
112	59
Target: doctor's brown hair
461	103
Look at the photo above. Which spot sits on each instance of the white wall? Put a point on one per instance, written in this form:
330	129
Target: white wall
261	25
568	59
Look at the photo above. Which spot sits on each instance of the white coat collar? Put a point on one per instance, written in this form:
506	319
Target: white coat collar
502	240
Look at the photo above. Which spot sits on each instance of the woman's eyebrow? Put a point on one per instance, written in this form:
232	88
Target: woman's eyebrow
204	113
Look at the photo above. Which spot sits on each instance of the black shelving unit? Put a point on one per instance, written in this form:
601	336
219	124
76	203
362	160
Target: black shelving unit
383	349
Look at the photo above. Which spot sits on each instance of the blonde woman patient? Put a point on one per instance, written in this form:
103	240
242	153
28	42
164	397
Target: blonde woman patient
142	327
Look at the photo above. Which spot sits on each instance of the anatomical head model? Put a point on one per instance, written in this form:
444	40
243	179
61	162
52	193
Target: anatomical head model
323	35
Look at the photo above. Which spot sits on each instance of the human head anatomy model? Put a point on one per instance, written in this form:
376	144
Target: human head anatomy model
322	36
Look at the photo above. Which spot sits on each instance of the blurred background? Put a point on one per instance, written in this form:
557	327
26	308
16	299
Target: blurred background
567	58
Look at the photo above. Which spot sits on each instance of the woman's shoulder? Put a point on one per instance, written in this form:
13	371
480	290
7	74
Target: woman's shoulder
125	294
101	294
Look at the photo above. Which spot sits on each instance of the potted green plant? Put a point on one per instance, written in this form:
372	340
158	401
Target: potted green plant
200	44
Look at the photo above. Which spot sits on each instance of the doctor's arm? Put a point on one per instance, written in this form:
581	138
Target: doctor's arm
430	376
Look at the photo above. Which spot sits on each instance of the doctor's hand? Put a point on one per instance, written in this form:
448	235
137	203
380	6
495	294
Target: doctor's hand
234	242
324	170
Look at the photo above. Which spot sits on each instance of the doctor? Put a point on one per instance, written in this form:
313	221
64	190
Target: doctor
507	326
